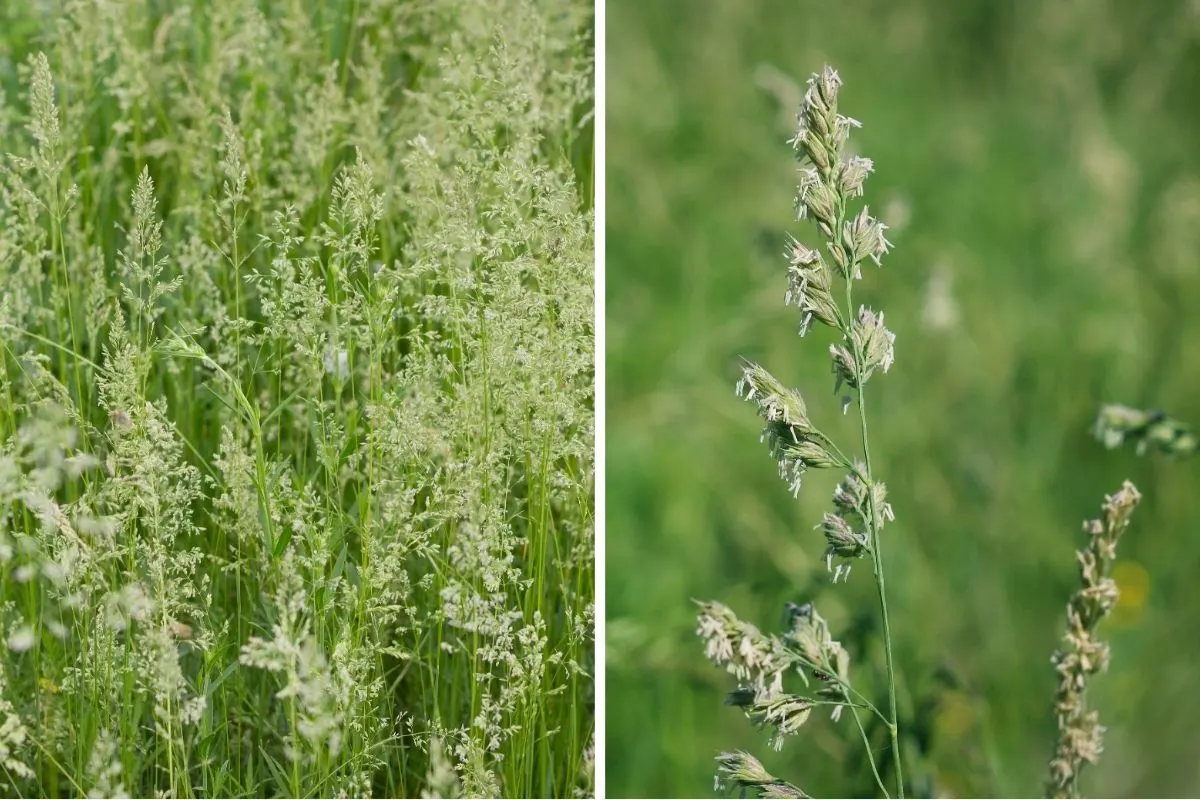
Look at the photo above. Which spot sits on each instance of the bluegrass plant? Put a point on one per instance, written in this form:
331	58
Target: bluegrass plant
823	292
783	679
296	405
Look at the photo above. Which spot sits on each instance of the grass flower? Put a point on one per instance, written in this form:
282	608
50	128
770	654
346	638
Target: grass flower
830	181
1082	655
745	773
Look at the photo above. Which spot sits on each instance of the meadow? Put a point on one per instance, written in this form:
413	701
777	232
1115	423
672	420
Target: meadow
1036	165
296	398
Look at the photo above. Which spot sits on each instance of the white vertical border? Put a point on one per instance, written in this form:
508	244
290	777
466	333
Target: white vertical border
599	164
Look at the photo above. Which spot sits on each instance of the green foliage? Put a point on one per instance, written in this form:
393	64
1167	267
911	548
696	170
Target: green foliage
296	399
1044	261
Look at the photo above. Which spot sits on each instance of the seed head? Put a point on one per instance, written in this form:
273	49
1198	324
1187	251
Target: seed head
864	233
744	772
816	199
1081	654
786	713
870	340
808	288
793	441
843	543
755	659
853	174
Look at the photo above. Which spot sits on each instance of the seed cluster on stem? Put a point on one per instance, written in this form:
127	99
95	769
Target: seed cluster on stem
1082	654
830	181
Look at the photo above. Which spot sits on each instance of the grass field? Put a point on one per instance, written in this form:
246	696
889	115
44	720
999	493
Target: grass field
296	398
1038	166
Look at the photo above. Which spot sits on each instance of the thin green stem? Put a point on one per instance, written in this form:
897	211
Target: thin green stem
876	549
877	557
870	756
296	745
864	703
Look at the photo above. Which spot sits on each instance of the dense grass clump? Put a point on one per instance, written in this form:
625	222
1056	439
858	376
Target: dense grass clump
296	406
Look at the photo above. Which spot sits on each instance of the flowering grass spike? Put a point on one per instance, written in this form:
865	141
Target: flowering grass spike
830	181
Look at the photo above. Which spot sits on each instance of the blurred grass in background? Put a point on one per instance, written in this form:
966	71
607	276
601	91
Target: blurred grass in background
1039	164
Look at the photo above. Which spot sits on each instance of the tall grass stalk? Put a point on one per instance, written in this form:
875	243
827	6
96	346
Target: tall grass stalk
831	180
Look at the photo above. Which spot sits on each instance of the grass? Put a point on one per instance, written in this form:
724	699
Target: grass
296	421
1043	260
831	181
766	666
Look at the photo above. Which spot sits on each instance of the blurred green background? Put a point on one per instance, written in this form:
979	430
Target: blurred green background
1039	164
